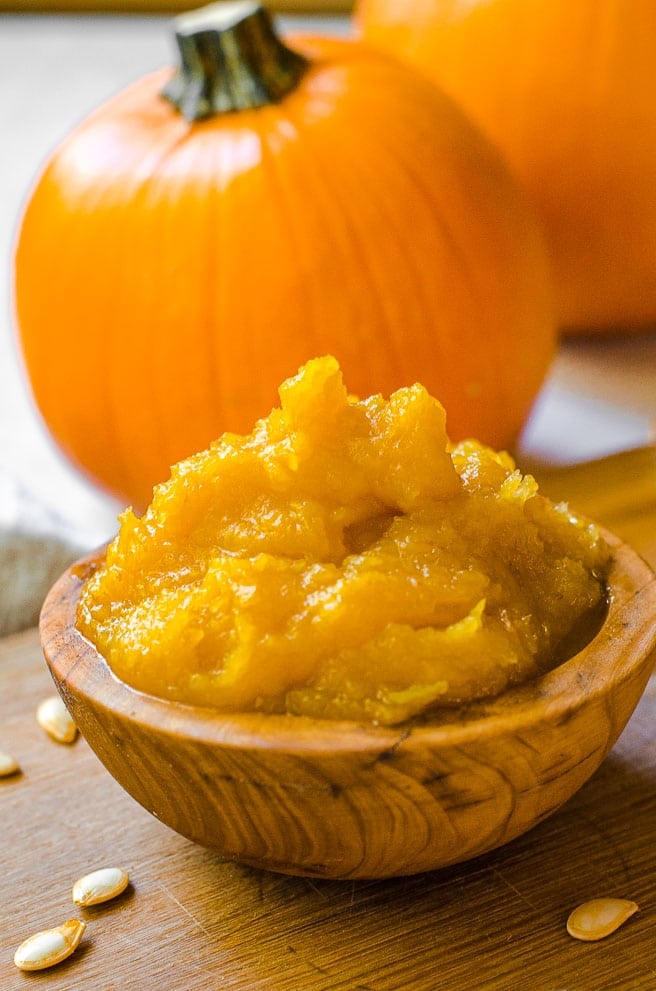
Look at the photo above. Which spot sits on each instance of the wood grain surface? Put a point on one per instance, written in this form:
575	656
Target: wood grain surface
192	922
618	491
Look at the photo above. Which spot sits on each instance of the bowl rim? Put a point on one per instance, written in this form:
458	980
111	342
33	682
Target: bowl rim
621	649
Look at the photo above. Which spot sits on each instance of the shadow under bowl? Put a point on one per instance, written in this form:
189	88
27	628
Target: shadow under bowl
348	800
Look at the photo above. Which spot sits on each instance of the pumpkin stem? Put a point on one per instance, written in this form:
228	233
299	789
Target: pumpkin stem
230	59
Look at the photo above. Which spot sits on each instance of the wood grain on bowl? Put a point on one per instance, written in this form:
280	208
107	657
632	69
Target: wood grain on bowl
343	800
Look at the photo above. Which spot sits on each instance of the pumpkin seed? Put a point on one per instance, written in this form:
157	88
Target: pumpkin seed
8	765
53	716
100	886
47	948
599	918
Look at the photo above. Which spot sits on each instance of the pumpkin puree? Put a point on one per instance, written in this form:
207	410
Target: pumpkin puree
342	561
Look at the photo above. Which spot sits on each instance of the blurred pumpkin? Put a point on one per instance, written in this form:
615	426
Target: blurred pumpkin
566	91
181	254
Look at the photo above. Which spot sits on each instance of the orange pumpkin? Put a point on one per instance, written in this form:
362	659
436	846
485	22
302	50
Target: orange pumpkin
171	270
566	91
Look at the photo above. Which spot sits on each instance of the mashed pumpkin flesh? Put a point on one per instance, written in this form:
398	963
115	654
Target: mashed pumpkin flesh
342	561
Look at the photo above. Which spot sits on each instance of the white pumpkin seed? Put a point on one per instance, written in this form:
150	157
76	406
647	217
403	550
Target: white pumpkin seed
53	716
100	886
599	918
47	948
8	765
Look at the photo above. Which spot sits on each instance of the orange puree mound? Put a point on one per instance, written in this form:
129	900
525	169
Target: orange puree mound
342	561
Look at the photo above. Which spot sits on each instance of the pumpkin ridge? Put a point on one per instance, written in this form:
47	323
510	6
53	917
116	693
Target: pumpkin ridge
214	286
251	337
286	185
364	167
363	163
351	245
404	165
156	220
121	341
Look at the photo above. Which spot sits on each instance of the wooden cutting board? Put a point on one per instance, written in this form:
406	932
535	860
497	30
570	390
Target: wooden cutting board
192	922
618	491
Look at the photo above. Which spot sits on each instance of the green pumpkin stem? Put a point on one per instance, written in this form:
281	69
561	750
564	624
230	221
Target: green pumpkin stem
230	59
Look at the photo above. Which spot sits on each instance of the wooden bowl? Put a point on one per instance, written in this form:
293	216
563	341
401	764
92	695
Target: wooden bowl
344	800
